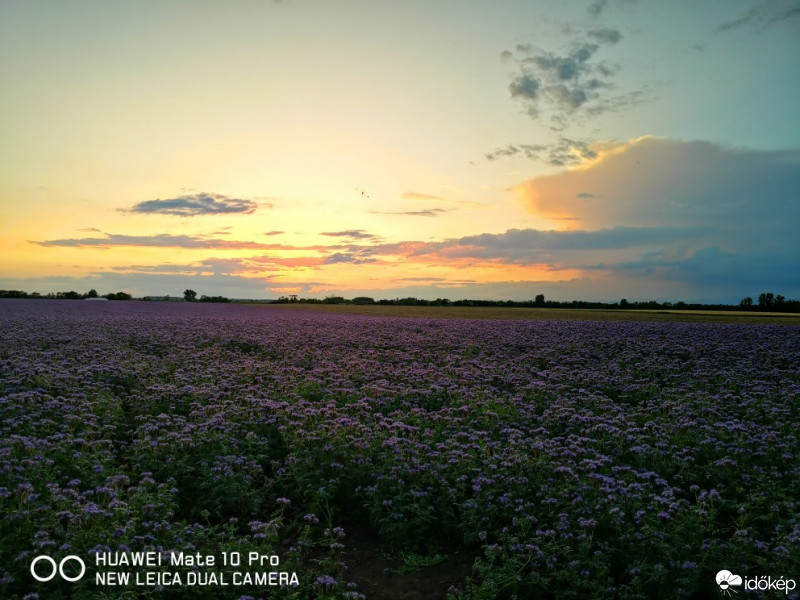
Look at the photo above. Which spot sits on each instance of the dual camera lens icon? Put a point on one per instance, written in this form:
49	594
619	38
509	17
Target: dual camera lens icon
39	573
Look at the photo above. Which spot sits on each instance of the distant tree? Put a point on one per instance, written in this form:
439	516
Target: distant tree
205	298
190	296
363	300
624	303
118	296
766	301
746	302
91	293
539	300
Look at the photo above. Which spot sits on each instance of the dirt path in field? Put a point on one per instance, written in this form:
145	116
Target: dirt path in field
379	578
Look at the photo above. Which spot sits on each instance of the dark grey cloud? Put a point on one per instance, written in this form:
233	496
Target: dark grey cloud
531	151
524	245
219	266
526	86
564	68
764	16
606	35
344	257
719	269
562	152
537	247
161	240
569	152
162	268
195	205
357	234
560	84
566	88
597	7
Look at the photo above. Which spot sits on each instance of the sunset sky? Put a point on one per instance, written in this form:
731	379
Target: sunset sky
590	150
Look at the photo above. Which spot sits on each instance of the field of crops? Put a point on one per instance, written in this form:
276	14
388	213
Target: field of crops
527	459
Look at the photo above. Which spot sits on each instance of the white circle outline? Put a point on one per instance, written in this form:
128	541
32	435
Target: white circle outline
43	557
61	567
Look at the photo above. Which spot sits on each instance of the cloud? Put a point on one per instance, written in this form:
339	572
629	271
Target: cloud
567	89
162	268
736	209
425	197
358	234
161	240
764	16
531	151
597	7
416	196
526	87
340	257
274	232
535	246
605	35
720	270
563	83
430	212
562	152
656	181
570	152
195	205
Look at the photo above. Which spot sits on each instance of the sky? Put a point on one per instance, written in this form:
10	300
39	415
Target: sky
483	149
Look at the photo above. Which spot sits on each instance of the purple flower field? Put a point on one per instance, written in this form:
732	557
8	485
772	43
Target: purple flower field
571	459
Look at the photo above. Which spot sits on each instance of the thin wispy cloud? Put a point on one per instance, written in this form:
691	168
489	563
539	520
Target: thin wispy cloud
161	240
430	212
195	205
531	151
764	16
356	234
458	202
344	257
424	197
561	152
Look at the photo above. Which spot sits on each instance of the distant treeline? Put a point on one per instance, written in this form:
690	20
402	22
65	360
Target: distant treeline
767	301
71	295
